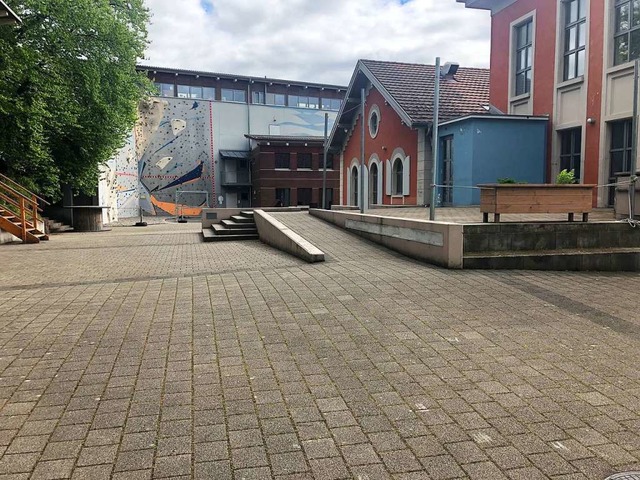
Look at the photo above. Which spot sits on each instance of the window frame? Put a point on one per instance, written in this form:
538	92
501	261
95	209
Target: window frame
397	176
159	86
304	155
578	49
275	97
571	160
279	158
517	49
624	33
284	197
261	97
374	111
239	92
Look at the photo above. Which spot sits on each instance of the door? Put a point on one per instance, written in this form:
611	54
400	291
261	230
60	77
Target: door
232	200
447	171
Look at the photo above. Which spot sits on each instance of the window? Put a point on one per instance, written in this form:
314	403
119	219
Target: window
283	197
447	170
229	95
626	38
314	102
304	160
571	150
620	153
331	103
299	101
374	183
398	176
328	201
277	99
374	121
304	196
329	161
206	93
354	185
524	57
165	89
257	98
282	160
575	36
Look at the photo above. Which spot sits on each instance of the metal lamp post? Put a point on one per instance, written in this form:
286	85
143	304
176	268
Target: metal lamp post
435	142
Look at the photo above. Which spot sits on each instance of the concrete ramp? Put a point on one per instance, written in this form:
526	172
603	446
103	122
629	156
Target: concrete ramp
278	235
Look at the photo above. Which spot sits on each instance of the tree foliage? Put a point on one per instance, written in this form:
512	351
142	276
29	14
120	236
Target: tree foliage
69	89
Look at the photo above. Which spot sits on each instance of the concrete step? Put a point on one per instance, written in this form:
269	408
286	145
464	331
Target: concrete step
233	224
222	230
247	213
242	219
595	259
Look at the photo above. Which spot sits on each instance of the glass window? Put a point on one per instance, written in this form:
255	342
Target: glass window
575	27
620	152
304	160
277	99
257	98
331	103
524	57
183	91
571	150
282	160
626	37
208	93
398	177
329	161
231	95
283	197
304	196
165	89
314	102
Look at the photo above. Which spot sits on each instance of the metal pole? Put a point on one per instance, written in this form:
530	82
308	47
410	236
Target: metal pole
362	93
634	145
324	171
435	142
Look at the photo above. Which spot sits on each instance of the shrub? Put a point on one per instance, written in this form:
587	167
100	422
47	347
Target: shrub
566	177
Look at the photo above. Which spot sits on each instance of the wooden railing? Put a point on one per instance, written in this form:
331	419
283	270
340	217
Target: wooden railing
22	203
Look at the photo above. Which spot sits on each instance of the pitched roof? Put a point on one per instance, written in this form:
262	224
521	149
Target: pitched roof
412	87
8	16
409	90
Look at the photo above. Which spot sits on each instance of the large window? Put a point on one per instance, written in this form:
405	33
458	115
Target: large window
304	160
575	36
571	150
398	177
301	101
205	93
626	38
620	153
331	103
329	161
277	99
257	98
524	57
282	160
283	197
229	95
304	196
165	89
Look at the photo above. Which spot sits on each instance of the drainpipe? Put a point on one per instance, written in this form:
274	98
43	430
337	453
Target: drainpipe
634	145
362	95
249	144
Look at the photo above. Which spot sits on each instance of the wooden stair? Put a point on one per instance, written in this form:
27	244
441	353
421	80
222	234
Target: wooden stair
19	212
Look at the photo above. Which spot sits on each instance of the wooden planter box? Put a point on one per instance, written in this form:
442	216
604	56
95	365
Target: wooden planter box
500	198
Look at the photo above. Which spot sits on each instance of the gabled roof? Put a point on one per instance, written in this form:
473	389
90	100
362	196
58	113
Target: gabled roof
8	16
409	89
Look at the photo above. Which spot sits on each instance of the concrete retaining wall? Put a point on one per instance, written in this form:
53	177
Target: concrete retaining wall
275	233
439	243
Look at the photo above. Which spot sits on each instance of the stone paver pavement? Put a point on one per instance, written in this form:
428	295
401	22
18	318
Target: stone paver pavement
146	354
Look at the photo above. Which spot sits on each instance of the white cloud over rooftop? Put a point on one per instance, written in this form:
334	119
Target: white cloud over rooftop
312	40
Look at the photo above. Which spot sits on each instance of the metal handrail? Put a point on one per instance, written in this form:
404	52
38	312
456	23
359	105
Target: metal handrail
4	177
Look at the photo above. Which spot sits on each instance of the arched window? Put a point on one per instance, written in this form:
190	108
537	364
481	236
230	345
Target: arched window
354	185
397	178
374	183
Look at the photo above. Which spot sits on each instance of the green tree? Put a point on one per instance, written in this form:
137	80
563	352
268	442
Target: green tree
69	89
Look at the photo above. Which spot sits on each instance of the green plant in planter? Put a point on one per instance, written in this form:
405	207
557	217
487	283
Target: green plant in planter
566	177
506	180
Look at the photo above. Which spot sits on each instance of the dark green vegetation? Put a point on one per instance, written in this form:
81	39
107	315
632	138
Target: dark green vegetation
69	89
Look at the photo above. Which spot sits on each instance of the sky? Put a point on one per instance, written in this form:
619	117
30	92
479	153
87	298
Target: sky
312	40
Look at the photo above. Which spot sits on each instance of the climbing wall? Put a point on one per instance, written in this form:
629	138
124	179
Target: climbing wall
170	150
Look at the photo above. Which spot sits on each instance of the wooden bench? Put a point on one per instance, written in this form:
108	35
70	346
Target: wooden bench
498	198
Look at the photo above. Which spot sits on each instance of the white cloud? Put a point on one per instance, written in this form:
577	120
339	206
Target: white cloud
312	40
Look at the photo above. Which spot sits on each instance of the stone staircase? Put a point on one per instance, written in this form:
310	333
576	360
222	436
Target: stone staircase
239	227
597	246
54	226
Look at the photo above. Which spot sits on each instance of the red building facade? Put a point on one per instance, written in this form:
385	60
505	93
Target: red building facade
578	69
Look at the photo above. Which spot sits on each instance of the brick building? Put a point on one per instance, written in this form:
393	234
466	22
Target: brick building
571	60
288	171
